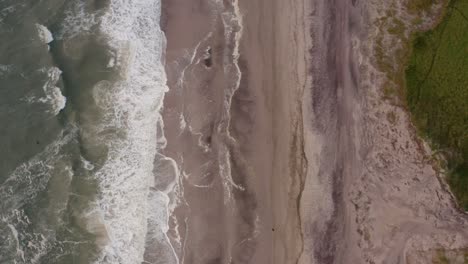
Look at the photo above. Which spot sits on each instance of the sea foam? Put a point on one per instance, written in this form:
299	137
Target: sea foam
44	34
130	105
53	94
21	188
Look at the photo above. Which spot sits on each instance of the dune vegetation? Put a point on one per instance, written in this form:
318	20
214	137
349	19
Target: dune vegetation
437	91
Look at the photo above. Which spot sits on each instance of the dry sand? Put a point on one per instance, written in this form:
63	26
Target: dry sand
388	205
274	49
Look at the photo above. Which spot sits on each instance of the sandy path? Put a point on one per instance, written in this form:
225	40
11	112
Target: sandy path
372	197
349	122
333	121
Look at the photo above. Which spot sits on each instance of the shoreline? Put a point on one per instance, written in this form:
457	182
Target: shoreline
254	223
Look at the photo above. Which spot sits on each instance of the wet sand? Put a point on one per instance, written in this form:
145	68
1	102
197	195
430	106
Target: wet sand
237	142
209	222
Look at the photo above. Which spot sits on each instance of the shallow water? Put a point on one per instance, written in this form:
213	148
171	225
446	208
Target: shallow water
81	86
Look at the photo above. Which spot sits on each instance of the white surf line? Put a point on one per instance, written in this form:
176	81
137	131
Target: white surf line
170	187
226	170
168	215
203	186
176	230
182	123
179	187
192	55
201	144
206	174
236	54
187	175
185	238
171	205
206	50
178	199
256	232
19	249
180	80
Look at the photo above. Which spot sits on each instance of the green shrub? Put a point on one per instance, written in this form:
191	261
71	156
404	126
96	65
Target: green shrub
437	90
415	6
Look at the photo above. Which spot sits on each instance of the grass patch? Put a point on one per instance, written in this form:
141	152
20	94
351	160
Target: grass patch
415	6
437	90
391	55
389	91
440	258
398	28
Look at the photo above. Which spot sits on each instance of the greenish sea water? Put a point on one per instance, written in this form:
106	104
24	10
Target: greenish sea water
81	85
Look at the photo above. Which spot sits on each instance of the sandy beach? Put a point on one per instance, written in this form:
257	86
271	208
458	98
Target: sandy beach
274	120
241	162
234	132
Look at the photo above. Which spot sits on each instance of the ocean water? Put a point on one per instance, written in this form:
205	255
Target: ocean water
81	87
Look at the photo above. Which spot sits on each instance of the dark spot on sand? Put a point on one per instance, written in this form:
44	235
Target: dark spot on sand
208	61
273	229
215	261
